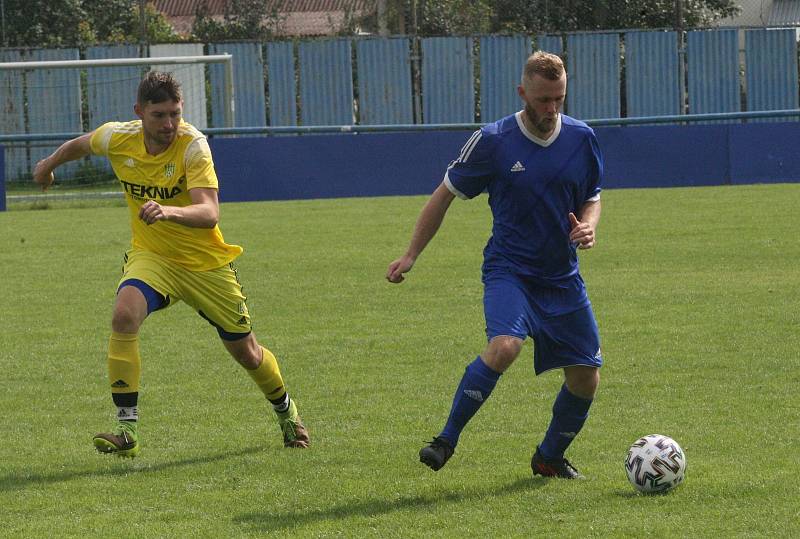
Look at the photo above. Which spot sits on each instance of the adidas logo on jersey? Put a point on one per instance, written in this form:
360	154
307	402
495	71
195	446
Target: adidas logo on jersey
474	394
517	167
129	162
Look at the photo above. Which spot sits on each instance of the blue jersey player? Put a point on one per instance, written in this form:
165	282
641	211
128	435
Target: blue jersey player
542	171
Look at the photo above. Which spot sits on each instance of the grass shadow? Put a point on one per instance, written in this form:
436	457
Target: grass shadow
273	522
12	482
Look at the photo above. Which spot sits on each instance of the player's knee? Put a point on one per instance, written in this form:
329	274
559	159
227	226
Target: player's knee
502	351
509	348
125	320
583	381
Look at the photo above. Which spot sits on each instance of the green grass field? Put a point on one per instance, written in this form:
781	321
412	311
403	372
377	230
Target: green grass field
697	293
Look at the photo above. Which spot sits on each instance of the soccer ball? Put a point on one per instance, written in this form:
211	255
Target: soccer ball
655	463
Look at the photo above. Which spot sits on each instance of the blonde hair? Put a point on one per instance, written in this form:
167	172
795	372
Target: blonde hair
543	64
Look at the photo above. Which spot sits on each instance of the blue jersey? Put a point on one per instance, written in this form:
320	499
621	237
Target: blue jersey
533	185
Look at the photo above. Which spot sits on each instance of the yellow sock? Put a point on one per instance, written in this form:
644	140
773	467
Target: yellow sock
268	376
124	363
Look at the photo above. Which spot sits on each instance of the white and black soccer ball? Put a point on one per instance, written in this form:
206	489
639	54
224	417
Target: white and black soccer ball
655	463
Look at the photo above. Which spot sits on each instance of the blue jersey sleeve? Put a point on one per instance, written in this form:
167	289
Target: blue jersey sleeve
595	179
470	173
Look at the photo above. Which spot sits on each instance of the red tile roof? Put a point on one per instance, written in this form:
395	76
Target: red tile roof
300	17
217	7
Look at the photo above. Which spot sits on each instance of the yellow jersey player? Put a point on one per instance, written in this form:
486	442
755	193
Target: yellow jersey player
177	251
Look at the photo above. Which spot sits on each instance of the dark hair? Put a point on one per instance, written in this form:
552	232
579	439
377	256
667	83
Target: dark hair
157	87
544	64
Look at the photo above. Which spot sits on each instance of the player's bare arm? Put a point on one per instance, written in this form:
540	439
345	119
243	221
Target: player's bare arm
69	151
203	212
428	223
583	230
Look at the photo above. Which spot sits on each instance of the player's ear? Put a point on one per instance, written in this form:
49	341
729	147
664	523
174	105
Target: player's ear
138	110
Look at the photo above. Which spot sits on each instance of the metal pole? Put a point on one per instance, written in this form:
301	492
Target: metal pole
3	17
229	97
678	15
142	28
415	64
108	62
383	28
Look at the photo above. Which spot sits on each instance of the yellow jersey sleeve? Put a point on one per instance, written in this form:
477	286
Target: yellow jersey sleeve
101	137
200	166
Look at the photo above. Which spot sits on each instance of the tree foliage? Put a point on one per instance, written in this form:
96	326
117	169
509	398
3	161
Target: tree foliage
74	23
455	17
242	19
452	17
570	15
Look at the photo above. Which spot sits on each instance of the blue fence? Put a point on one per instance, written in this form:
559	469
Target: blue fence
371	81
384	81
650	57
713	63
448	83
771	65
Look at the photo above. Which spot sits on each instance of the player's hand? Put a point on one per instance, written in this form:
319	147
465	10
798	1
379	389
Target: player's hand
151	211
43	174
397	268
581	234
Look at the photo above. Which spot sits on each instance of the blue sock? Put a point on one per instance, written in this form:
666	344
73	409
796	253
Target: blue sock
475	387
569	415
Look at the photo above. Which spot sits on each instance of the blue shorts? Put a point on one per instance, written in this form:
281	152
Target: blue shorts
559	319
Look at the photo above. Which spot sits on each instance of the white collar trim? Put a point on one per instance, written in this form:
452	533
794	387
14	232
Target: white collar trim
541	142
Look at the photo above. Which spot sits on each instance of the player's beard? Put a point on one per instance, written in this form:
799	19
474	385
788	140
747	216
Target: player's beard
543	125
163	138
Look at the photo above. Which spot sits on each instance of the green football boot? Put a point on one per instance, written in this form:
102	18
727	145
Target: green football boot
123	441
294	432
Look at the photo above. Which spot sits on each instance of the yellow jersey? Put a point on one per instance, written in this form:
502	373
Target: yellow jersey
167	179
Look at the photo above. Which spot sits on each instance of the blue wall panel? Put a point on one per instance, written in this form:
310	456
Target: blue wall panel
326	82
713	66
248	84
593	76
54	103
384	81
447	80
764	153
12	115
771	68
502	60
2	179
664	155
282	85
347	165
551	44
652	74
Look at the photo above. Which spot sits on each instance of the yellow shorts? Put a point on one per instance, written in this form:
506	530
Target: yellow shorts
215	294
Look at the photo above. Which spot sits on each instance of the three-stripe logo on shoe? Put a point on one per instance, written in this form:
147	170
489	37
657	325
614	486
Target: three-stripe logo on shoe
474	394
120	383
